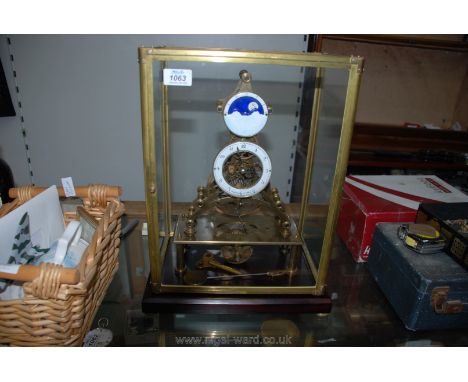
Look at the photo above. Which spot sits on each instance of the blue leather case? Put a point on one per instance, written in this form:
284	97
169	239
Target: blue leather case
426	291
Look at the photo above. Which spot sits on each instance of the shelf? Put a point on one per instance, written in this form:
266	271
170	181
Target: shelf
381	161
409	41
387	146
376	137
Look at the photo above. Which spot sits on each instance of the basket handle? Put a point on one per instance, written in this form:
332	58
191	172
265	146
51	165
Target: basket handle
81	191
69	276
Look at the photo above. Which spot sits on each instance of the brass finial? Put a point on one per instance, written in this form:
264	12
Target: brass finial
245	76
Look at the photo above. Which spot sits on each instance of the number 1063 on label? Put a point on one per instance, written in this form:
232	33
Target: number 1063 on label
177	77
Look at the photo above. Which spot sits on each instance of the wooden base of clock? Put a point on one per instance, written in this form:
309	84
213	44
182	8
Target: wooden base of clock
232	304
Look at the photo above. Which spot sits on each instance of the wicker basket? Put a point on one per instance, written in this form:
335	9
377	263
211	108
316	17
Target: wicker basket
52	312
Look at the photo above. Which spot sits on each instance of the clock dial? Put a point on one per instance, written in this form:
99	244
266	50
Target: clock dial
242	169
245	114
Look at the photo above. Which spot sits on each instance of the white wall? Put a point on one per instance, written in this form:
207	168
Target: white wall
81	104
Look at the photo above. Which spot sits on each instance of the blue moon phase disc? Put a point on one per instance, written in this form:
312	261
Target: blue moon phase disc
245	114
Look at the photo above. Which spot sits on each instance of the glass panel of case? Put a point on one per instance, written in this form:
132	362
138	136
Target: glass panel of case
331	102
228	147
226	235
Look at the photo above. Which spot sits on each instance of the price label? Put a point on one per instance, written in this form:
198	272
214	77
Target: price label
177	77
98	337
68	187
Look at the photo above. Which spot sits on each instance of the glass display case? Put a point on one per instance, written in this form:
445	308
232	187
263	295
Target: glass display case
226	133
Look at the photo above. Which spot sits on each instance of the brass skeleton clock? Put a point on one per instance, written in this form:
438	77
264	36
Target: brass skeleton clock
236	236
237	211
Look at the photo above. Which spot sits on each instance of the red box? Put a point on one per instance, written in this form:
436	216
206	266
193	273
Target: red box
368	200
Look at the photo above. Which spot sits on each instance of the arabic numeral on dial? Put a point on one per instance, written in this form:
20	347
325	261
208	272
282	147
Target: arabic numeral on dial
243	146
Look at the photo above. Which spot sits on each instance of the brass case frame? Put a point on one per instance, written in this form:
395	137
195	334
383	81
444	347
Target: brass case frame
157	252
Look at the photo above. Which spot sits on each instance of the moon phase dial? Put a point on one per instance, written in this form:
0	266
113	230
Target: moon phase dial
245	114
242	169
